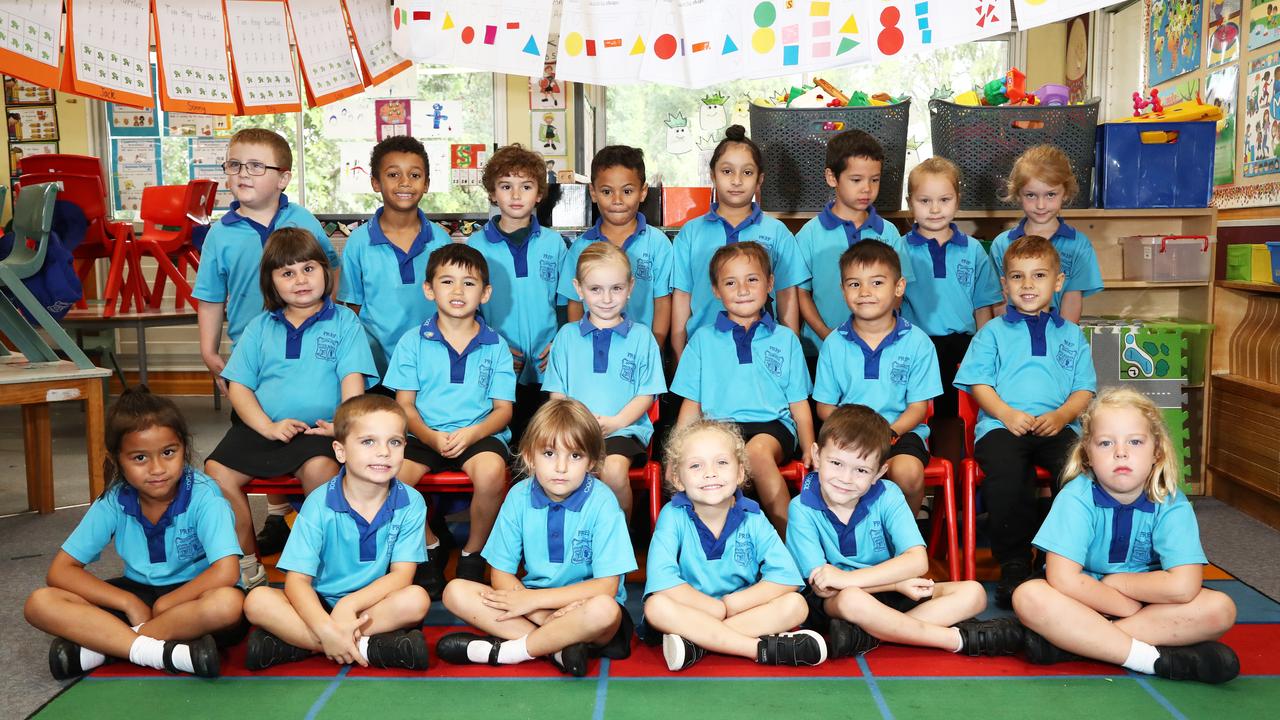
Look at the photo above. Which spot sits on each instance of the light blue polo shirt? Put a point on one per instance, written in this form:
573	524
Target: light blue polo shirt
1079	261
699	239
821	242
522	306
1033	363
951	281
580	538
195	531
232	255
748	550
464	395
744	375
1088	526
606	369
903	369
648	249
881	527
386	282
297	372
342	551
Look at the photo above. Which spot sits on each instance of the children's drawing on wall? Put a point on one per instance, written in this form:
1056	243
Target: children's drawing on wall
706	146
711	114
435	118
353	167
1261	129
1264	22
1173	40
679	136
546	92
392	118
740	112
1220	90
548	133
350	119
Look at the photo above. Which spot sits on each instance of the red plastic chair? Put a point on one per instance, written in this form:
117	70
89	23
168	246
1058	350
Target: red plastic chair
972	478
169	215
649	476
62	163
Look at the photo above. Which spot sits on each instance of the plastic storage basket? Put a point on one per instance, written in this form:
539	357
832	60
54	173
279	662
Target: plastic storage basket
1167	258
794	142
984	142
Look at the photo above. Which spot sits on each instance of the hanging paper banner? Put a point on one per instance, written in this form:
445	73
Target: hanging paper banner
191	56
328	69
371	25
1032	13
601	42
261	58
508	36
30	31
109	55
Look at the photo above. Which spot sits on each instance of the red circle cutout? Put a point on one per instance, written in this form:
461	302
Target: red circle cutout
665	46
468	34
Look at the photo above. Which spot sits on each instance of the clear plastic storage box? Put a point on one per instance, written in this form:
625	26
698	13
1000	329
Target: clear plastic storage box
1167	258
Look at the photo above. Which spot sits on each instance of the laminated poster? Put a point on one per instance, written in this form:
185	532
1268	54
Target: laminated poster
1220	90
1264	22
209	151
20	92
179	124
466	163
548	133
132	122
1261	128
17	151
265	79
135	164
28	124
392	118
1223	34
1173	40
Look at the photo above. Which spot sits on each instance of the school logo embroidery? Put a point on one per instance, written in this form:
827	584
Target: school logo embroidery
392	533
581	548
628	370
1141	553
1065	262
964	273
900	372
486	374
1067	354
744	552
547	268
327	347
877	536
644	267
773	361
188	545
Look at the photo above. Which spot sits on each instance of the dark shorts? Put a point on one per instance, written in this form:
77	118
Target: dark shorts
419	452
913	445
774	429
818	618
619	646
628	447
150	593
242	449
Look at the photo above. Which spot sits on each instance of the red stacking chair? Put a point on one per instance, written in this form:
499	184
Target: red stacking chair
972	478
60	163
169	215
649	476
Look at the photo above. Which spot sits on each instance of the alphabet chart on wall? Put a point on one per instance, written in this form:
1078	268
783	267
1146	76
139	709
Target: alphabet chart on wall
371	24
29	34
265	80
191	52
109	54
328	69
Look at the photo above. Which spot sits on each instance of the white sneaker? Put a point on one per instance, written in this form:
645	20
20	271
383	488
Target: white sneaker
253	576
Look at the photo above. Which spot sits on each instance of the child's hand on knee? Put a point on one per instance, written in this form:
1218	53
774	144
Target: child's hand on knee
513	603
1019	423
826	580
323	428
567	609
915	588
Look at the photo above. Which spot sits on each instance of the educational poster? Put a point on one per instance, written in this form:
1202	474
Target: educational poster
548	132
1033	13
191	55
466	163
508	36
132	122
179	124
1173	39
1220	90
208	151
223	199
353	167
21	92
1180	91
30	31
371	25
135	164
547	92
27	124
436	118
324	53
1224	31
602	41
392	118
1264	22
17	151
1261	129
261	58
109	54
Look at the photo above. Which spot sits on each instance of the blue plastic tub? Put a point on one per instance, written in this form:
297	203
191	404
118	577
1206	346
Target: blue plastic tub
1274	247
1155	164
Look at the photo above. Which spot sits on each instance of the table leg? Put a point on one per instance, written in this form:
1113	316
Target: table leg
93	431
141	337
37	447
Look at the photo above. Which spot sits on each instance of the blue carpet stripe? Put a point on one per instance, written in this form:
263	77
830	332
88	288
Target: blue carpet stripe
874	688
1145	684
602	690
328	693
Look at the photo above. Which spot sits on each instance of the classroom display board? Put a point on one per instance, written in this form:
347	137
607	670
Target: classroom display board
108	52
261	58
191	52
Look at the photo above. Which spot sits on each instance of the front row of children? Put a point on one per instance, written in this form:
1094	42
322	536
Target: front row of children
1123	583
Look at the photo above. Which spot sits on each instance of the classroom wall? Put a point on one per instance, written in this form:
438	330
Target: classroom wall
1046	54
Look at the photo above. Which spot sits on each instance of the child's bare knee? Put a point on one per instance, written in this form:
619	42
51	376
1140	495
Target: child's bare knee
258	602
600	611
850	602
224	606
1221	610
37	603
793	607
412	604
1030	600
658	610
459	592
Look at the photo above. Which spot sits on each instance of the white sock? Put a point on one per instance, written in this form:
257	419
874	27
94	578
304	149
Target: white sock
137	628
363	646
149	652
434	545
478	651
959	640
512	652
1142	658
248	561
466	554
558	656
90	659
281	509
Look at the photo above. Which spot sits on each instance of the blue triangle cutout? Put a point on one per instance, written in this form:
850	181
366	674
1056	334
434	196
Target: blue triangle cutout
531	47
729	46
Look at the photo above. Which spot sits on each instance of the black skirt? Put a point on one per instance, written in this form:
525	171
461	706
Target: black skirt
242	449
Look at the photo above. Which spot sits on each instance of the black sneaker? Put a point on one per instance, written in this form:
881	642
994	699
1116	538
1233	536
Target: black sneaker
1042	652
205	662
1002	636
1012	574
430	574
471	567
406	649
64	659
802	647
1206	662
679	653
266	650
573	660
452	648
846	639
273	536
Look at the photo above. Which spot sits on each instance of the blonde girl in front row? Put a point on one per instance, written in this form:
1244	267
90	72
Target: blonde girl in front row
1124	573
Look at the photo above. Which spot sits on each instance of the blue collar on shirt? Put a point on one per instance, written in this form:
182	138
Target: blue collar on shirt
1037	326
742	336
233	216
938	251
404	259
538	500
337	502
601	337
853	233
871	358
1065	231
293	335
713	547
811	495
593	233
1121	520
131	505
519	253
731	231
458	360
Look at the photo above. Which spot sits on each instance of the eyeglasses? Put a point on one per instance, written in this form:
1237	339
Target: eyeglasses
232	167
